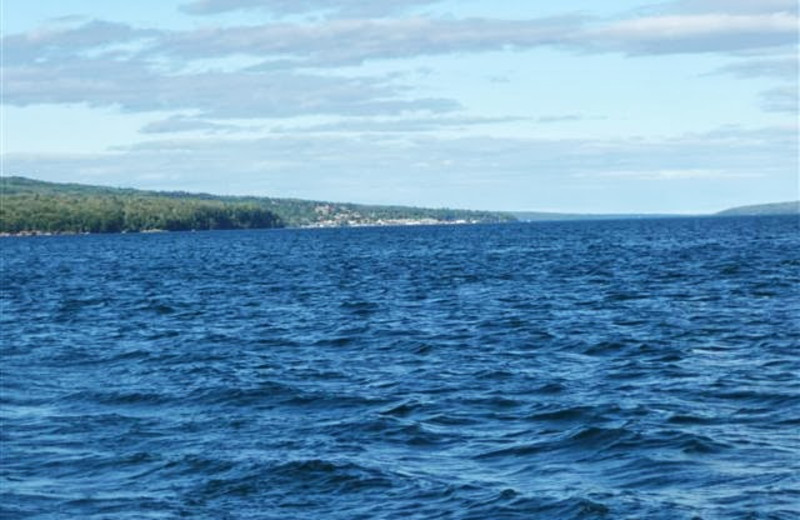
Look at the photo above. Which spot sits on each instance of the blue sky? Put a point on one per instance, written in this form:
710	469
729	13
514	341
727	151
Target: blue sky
578	105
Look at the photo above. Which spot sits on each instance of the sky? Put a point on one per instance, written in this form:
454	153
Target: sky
590	106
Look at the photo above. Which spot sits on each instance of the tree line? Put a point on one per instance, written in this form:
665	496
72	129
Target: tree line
99	213
29	205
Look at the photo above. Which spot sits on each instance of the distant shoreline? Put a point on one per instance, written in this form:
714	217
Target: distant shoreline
715	216
29	207
35	233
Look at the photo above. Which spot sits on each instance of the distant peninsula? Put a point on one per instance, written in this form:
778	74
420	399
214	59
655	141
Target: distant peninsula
777	208
29	206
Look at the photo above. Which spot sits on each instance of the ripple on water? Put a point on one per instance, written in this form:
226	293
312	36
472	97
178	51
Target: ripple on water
640	369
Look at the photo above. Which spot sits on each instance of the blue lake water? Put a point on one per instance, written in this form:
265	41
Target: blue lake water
623	369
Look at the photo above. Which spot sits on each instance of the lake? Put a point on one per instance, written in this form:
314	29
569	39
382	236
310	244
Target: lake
607	369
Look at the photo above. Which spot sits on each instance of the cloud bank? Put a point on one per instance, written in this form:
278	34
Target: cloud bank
316	97
101	63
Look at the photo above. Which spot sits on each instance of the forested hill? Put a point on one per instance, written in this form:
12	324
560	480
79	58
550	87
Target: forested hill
777	208
32	206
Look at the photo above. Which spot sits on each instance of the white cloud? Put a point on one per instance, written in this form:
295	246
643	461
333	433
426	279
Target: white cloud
323	160
671	175
66	39
730	166
785	68
64	65
178	123
736	6
782	99
347	42
700	33
352	8
135	85
400	125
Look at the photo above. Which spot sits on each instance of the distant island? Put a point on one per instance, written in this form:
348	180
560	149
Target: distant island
29	206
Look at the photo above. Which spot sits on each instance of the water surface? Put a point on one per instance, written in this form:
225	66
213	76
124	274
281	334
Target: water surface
629	369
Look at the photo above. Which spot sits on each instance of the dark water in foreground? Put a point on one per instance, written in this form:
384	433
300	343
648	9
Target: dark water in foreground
640	369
